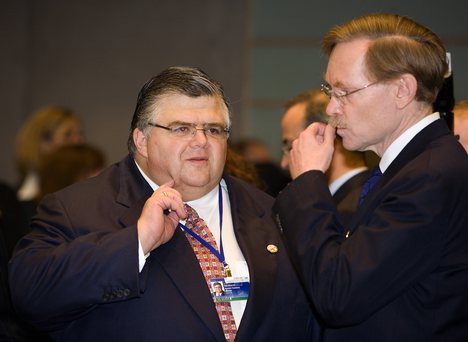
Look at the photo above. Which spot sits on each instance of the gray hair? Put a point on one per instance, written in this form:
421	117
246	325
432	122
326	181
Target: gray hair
189	81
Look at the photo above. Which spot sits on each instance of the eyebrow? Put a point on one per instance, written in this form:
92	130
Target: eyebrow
184	123
338	84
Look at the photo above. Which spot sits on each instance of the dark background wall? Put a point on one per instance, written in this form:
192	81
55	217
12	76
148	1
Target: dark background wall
94	56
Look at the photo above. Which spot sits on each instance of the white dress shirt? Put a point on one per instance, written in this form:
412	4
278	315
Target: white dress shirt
399	144
337	183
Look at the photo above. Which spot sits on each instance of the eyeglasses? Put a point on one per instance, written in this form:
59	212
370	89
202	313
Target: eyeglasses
287	147
341	95
187	130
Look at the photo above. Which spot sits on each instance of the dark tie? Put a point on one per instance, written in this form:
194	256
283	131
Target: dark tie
211	267
374	178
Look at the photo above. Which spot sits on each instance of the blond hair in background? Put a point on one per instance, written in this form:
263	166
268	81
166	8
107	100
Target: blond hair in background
46	129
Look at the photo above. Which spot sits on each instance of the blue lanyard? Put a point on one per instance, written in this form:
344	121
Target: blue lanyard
220	254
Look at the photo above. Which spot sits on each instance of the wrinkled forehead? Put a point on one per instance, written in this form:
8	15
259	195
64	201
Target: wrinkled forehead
183	108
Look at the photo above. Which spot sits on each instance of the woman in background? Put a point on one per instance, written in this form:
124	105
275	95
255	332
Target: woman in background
47	129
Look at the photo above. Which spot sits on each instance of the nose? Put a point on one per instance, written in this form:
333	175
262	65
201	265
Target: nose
199	136
334	107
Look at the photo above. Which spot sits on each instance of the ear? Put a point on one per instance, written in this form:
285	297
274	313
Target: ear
407	86
141	142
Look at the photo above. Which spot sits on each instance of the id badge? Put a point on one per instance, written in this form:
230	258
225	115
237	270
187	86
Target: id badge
230	289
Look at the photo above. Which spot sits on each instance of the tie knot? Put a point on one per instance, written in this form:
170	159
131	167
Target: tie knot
193	221
191	213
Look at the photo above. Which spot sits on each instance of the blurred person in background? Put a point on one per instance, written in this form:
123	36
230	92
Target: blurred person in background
272	178
460	122
47	129
69	164
238	166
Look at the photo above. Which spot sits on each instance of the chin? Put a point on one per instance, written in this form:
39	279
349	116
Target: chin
350	146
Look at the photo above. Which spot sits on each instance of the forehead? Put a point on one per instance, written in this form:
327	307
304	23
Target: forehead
293	122
201	109
347	63
295	115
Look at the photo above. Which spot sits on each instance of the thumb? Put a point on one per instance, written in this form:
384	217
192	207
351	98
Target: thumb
329	134
169	184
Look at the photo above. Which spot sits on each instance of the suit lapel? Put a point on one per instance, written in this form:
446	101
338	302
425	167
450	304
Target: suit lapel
415	147
354	182
253	239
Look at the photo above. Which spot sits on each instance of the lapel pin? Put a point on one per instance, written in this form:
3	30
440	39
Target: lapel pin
272	249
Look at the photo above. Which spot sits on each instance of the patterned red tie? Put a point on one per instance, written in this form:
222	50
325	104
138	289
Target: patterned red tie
211	267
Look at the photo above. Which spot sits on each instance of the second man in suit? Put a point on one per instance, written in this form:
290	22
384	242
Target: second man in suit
399	271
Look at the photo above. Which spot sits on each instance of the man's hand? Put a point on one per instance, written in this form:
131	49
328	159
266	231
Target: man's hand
160	217
312	150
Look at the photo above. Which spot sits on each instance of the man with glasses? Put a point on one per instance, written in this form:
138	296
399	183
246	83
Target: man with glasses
399	270
347	172
131	255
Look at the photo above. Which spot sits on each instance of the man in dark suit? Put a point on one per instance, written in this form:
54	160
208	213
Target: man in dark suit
399	271
347	172
113	258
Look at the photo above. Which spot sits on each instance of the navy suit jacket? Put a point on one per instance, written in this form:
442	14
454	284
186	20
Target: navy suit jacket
76	274
399	271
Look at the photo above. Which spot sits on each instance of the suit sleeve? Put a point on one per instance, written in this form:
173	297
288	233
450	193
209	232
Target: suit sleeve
395	244
60	271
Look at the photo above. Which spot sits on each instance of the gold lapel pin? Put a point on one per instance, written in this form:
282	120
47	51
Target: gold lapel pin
272	249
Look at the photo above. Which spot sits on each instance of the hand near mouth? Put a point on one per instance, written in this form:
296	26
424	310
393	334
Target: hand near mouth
313	150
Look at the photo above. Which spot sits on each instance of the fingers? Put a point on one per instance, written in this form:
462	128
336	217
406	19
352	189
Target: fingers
313	150
329	133
155	227
170	200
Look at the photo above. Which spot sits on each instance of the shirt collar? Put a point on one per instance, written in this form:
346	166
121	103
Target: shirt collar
337	183
399	144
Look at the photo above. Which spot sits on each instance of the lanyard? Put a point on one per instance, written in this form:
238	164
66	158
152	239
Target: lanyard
220	254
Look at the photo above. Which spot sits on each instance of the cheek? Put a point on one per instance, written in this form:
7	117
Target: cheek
219	156
163	154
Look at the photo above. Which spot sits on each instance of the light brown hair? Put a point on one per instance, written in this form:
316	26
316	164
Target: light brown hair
398	46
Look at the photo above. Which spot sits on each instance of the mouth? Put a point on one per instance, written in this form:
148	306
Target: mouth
198	160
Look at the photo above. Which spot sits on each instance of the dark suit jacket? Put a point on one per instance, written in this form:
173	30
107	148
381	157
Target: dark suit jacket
76	274
346	198
13	226
402	275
